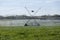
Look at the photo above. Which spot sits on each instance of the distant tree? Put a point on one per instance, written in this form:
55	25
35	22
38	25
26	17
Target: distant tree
56	15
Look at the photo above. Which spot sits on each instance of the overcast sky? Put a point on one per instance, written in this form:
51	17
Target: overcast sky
16	7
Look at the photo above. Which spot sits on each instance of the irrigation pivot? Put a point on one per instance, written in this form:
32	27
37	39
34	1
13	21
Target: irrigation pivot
35	23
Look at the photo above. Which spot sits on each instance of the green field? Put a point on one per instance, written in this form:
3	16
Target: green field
30	33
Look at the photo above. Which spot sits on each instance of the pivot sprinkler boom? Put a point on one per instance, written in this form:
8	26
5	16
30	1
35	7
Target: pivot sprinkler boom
35	22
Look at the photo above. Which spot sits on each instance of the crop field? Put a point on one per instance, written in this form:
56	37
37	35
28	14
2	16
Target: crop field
30	33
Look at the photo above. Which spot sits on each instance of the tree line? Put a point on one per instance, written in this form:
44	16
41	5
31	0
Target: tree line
43	17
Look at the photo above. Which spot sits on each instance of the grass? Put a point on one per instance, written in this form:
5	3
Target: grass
30	33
